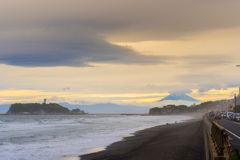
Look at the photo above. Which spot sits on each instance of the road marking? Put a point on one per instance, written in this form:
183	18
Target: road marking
232	133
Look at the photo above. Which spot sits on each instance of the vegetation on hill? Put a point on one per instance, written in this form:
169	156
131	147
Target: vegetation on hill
37	108
169	109
203	107
76	111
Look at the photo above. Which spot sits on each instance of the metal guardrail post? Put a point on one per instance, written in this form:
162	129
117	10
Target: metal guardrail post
218	137
219	141
218	146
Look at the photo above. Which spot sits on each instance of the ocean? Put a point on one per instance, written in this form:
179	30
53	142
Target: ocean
49	137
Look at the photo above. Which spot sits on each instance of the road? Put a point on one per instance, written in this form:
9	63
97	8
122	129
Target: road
233	131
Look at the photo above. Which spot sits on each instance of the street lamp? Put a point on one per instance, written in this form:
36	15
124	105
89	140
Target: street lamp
235	98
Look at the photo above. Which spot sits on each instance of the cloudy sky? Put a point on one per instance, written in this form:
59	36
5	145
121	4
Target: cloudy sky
123	52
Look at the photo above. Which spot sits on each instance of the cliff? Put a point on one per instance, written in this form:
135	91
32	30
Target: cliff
37	108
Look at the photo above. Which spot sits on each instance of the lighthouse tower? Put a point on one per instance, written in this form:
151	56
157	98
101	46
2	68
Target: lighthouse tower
44	101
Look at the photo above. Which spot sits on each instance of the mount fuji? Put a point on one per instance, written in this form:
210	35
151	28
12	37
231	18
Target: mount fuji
178	97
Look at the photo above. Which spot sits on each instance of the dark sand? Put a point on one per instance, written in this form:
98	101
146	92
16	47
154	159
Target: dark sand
182	141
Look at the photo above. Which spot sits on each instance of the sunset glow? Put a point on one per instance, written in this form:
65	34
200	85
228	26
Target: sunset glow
81	52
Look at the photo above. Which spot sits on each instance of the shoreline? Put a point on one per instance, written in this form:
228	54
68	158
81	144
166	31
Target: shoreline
132	135
130	147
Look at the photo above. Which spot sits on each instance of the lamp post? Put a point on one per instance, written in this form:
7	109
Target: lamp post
235	94
235	102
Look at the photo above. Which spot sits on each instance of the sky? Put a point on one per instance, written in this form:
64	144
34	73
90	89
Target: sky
123	52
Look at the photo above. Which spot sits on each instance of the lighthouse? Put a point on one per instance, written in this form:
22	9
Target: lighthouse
44	101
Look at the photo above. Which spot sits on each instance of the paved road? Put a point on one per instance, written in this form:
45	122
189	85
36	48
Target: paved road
233	130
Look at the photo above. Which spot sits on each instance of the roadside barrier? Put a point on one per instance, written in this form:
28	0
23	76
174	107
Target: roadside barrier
217	144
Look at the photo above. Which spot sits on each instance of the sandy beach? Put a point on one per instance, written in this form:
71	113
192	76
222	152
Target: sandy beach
181	141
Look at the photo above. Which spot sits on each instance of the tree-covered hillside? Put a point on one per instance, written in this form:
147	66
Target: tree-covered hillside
169	109
221	105
37	108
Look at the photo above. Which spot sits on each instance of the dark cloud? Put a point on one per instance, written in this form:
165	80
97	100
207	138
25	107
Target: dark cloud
127	20
64	47
162	20
74	33
79	46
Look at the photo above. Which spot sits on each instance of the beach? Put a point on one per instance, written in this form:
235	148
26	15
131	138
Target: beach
49	137
179	141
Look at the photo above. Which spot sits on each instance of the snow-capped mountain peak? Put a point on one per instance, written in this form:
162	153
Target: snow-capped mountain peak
179	96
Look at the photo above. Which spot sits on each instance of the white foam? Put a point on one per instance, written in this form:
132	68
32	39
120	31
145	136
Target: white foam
66	136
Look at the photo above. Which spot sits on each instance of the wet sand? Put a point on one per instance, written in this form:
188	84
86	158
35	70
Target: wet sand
182	141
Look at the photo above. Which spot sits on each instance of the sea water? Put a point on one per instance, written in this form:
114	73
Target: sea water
48	137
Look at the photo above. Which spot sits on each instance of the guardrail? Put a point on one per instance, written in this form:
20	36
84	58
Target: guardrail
219	137
217	140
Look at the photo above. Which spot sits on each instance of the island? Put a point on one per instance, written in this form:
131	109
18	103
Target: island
41	109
